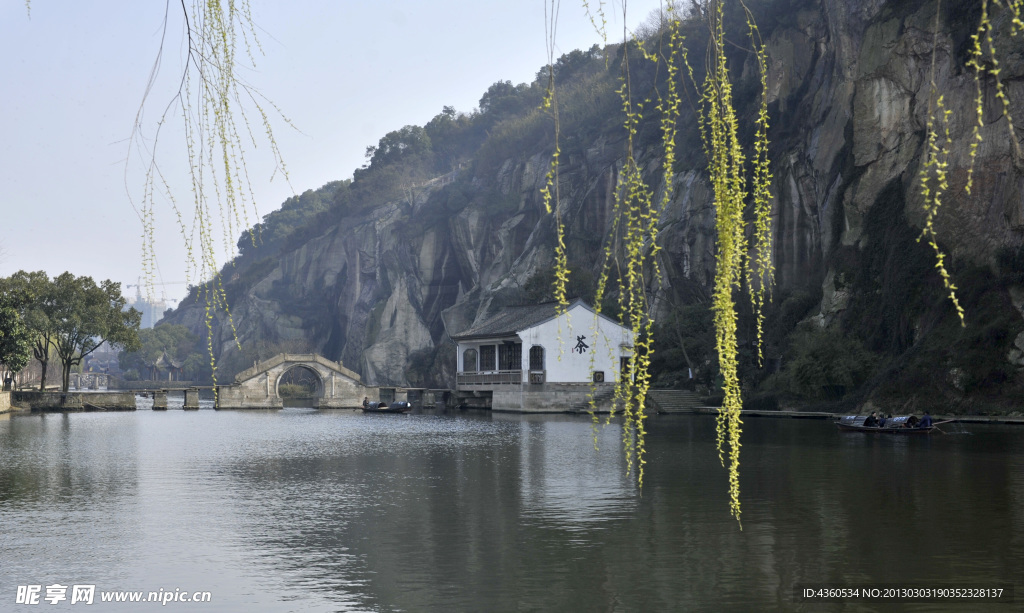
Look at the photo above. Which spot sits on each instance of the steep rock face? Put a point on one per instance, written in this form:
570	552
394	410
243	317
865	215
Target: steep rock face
849	92
852	120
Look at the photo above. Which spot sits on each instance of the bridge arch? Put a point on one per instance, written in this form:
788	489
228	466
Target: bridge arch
299	376
260	386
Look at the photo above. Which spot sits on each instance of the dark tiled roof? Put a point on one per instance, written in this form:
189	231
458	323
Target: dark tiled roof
510	320
166	361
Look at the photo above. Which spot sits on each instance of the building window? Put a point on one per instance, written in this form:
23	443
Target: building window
469	360
536	358
598	376
510	356
487	357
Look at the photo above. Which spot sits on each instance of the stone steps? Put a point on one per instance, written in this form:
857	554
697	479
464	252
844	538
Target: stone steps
600	398
674	401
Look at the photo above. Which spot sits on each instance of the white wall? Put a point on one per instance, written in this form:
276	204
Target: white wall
563	363
603	338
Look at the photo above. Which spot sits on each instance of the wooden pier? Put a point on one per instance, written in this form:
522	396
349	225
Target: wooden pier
681	402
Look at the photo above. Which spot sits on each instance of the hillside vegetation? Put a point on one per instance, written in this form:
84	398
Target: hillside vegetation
444	224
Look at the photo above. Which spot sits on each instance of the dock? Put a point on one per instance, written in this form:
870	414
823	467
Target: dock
682	402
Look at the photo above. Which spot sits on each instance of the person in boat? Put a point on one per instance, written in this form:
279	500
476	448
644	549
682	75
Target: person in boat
881	420
871	421
366	402
911	422
926	421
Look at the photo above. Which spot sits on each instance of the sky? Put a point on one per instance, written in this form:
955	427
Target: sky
344	72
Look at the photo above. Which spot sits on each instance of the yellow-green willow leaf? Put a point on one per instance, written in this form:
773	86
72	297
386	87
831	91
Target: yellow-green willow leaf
933	176
214	105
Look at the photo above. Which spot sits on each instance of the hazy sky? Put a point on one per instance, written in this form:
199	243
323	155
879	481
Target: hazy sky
345	72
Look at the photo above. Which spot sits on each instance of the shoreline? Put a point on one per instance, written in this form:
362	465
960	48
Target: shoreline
5	404
966	419
7	410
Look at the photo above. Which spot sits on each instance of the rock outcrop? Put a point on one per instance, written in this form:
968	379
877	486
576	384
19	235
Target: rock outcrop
850	91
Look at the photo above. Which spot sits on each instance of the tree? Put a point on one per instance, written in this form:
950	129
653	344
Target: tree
88	315
31	294
447	139
568	65
503	99
15	341
397	144
826	363
174	341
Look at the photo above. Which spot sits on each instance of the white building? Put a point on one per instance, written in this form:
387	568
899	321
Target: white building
528	358
152	310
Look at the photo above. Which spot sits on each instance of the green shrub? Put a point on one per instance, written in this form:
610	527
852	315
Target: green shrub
762	402
825	364
293	390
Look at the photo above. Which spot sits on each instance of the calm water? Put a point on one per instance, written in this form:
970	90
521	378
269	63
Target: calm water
303	510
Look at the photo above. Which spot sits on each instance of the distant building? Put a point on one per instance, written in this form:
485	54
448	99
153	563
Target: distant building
152	310
530	359
103	360
97	368
166	368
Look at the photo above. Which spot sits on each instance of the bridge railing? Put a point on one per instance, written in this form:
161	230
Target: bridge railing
500	377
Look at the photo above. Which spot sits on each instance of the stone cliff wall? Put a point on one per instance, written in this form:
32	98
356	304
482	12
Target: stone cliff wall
849	100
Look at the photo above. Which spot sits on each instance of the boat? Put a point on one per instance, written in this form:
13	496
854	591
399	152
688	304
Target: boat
383	407
901	424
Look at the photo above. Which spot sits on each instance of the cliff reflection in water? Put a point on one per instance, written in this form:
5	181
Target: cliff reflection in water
395	510
304	510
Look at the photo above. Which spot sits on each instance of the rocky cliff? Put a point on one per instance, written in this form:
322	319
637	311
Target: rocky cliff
849	96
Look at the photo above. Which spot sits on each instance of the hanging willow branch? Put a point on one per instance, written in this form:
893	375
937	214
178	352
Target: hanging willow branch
725	167
761	271
216	109
934	171
550	191
632	247
984	63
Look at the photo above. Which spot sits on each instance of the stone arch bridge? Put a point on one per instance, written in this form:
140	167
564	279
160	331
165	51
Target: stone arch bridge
257	388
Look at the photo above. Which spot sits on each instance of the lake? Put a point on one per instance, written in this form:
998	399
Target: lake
307	510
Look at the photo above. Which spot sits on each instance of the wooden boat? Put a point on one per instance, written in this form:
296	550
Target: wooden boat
901	424
381	407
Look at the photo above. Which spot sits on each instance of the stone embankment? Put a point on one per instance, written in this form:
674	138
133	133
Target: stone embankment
684	402
5	402
73	401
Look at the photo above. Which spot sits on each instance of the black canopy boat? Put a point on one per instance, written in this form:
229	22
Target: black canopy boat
901	424
383	407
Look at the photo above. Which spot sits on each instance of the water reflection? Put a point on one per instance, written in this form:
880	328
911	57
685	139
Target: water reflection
175	400
391	511
305	510
568	484
62	478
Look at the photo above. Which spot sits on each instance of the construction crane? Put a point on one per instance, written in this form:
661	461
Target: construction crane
138	285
